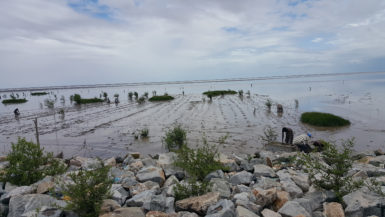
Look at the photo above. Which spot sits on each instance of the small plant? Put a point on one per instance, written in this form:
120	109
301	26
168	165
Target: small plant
105	95
145	94
323	119
141	100
88	191
223	139
268	104
175	138
332	167
49	103
269	135
116	95
130	94
144	133
190	189
240	93
136	95
161	98
28	164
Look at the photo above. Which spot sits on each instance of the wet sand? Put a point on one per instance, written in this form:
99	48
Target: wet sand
106	130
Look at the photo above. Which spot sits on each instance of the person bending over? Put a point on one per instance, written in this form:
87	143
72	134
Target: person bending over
288	134
302	142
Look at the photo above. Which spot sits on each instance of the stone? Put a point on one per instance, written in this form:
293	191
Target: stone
333	210
20	204
216	174
224	208
86	163
110	162
187	214
363	203
126	212
242	196
139	199
160	214
243	212
170	201
15	192
230	164
371	170
166	159
221	186
9	187
243	177
292	209
302	181
109	205
266	183
241	188
44	187
265	197
148	162
156	203
119	194
151	173
135	155
127	160
282	198
263	170
171	181
136	166
379	152
292	188
198	204
377	161
249	205
44	212
140	187
270	213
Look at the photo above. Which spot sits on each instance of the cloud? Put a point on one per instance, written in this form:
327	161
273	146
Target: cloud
106	41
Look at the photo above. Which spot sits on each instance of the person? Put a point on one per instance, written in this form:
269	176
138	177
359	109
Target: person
16	112
288	134
302	142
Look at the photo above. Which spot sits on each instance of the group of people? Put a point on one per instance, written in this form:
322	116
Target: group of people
302	141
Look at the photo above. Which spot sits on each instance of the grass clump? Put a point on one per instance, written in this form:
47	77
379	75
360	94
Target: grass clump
89	189
38	93
144	133
28	164
161	98
175	138
268	104
323	119
141	100
332	167
269	135
190	188
14	101
219	93
79	100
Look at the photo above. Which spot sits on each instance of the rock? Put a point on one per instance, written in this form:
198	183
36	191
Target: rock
248	165
136	166
266	183
302	181
243	212
140	187
318	214
224	208
45	187
15	192
160	214
126	212
242	196
166	159
119	194
86	163
151	173
377	161
282	198
292	188
20	204
9	187
362	203
198	204
360	175
230	164
171	181
170	191
156	203
128	160
241	188
187	214
44	212
333	210
270	213
4	209
379	152
216	174
371	170
241	178
292	208
119	160
139	199
170	201
265	197
110	162
135	155
221	186
263	170
149	162
109	206
249	205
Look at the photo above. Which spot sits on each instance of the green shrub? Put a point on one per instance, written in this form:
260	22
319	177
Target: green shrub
144	133
141	100
269	135
38	93
161	98
14	101
145	94
268	104
79	100
88	191
190	189
175	138
136	95
323	119
28	164
240	92
332	167
49	103
219	92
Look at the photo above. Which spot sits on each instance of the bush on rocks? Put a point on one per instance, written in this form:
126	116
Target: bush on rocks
28	164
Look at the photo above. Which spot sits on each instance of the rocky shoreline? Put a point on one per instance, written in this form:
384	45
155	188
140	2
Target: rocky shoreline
265	185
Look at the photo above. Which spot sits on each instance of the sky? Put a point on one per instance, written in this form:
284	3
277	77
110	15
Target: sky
65	42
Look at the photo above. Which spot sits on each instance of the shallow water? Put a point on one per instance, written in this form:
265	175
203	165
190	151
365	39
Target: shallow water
107	129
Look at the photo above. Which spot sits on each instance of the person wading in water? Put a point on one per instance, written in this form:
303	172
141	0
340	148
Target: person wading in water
288	134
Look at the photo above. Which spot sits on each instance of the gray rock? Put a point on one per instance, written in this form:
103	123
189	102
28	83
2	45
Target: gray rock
241	178
156	203
264	197
314	200
242	196
263	170
139	199
302	181
270	213
127	161
318	214
371	170
4	209
17	191
248	165
187	214
129	212
243	212
266	183
223	208
221	186
44	212
170	201
290	187
249	205
171	181
292	209
127	182
377	161
166	159
151	173
148	162
216	174
9	187
241	188
119	194
363	203
86	163
306	203
140	187
21	204
230	164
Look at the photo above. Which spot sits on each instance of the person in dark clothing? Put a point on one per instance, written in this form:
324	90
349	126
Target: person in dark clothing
16	112
288	134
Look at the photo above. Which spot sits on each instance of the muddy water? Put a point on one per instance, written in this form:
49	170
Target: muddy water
233	123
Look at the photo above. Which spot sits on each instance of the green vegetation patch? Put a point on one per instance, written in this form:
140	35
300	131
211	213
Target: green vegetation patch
219	92
14	101
323	119
79	100
161	98
38	93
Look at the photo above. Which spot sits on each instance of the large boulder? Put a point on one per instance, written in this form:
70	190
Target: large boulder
216	174
151	173
292	209
243	177
17	191
221	186
270	213
224	208
333	210
140	187
139	199
119	194
266	183
264	197
21	204
198	204
263	170
126	212
243	212
363	203
292	188
282	198
377	161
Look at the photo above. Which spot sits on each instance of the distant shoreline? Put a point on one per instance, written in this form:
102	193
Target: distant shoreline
182	82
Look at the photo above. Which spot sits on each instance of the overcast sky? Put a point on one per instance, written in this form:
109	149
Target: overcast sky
62	42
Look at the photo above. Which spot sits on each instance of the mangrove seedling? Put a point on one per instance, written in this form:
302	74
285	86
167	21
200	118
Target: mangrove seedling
130	95
141	100
269	135
175	138
136	95
145	94
268	104
144	133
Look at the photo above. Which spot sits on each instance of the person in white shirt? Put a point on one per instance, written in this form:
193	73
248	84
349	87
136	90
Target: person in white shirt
302	142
